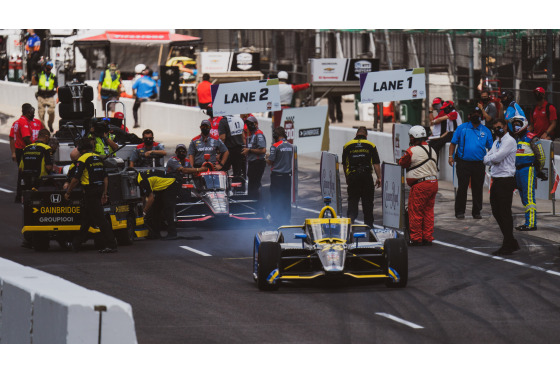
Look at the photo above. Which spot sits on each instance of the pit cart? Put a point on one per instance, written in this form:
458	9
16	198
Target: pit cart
330	247
48	216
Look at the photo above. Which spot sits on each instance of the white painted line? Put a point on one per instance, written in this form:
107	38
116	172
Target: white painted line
400	320
468	250
5	190
4	141
195	251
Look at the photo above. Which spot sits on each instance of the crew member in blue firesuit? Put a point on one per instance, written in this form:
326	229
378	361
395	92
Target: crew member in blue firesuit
529	162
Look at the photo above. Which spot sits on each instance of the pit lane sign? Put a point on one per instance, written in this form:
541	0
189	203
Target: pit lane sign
245	97
305	127
393	195
393	85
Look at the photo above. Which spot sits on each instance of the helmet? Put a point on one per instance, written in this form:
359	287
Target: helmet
282	75
49	64
417	132
138	69
119	115
518	124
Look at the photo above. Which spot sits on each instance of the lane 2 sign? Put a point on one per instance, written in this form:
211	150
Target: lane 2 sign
245	97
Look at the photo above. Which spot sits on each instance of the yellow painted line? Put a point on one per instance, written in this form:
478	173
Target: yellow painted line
367	276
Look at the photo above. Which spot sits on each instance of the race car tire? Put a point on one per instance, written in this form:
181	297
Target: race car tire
66	111
268	259
40	241
126	236
396	253
65	94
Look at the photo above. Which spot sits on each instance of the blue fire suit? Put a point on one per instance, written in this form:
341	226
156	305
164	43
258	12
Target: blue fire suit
529	159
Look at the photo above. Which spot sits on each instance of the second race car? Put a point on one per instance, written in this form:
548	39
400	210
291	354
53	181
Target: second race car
329	247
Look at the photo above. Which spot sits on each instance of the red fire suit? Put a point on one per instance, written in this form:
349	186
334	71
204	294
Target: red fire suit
421	164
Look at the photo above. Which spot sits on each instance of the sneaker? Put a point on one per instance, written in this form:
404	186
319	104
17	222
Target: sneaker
136	125
108	250
526	228
460	216
477	216
413	243
170	237
427	242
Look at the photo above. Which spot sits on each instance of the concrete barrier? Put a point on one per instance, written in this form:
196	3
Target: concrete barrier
37	307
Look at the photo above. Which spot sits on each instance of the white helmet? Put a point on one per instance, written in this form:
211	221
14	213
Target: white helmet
138	69
417	132
518	123
282	75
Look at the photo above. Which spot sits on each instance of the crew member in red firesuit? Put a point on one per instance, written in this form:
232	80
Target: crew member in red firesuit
420	161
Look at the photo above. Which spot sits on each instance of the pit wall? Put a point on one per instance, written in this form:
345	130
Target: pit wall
37	307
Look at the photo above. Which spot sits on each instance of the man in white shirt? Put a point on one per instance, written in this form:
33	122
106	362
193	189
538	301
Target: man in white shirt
501	159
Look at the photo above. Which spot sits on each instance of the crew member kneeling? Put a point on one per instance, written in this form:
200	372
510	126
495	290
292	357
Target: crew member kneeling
420	161
90	172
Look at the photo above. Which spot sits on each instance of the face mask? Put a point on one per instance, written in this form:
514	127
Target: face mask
437	107
500	132
148	142
475	120
205	131
485	100
251	127
181	155
363	137
539	96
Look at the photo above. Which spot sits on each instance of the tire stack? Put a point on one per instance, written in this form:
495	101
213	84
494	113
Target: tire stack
76	107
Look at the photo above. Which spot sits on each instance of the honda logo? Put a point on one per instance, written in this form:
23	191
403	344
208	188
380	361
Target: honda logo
56	198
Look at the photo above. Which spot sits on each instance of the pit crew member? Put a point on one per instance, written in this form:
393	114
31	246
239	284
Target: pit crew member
90	173
420	161
529	162
205	144
144	153
161	195
360	159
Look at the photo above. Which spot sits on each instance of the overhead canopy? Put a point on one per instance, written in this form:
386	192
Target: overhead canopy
129	48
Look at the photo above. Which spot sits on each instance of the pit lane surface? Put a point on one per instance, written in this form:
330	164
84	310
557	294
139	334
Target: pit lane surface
199	289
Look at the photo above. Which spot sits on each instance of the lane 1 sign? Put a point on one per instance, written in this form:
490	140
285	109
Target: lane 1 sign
393	85
245	97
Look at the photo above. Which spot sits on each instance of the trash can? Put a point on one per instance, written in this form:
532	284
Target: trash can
410	112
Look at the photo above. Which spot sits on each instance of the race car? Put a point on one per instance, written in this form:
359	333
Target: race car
213	194
330	247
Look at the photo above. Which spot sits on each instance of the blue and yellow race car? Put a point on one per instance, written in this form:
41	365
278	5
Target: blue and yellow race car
330	247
